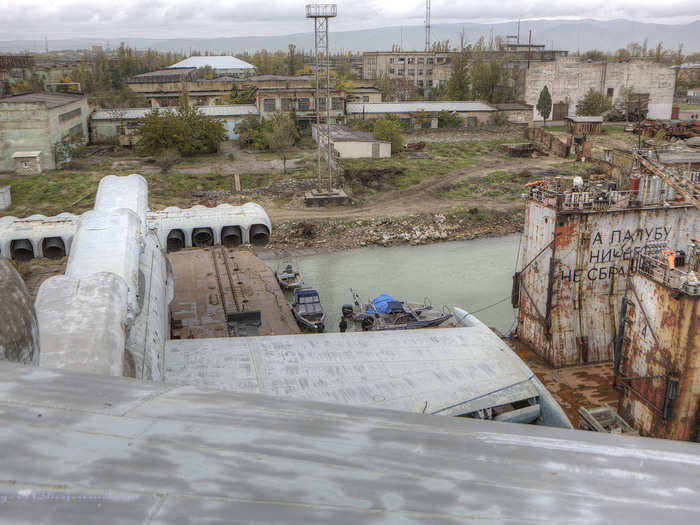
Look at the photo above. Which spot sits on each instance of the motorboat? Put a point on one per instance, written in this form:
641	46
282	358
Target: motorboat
308	311
288	275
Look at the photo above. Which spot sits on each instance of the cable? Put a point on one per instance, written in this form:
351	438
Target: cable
489	306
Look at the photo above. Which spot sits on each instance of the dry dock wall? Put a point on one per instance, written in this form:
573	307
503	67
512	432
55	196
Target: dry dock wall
570	294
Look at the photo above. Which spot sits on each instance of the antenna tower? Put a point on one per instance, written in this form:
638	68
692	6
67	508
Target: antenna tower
321	13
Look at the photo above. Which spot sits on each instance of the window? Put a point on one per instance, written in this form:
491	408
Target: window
431	60
392	60
365	99
695	176
420	72
411	71
430	83
321	103
420	60
269	104
610	92
420	83
287	104
429	72
76	131
69	115
411	60
304	104
392	70
402	60
337	103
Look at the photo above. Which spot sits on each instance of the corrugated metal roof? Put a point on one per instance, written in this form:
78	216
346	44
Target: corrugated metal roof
584	119
140	113
410	107
139	451
513	106
216	62
451	372
52	100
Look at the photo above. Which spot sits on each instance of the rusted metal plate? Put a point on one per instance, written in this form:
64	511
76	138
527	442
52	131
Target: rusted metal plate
593	250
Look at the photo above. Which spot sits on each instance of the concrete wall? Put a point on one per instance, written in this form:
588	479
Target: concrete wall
29	126
522	116
361	150
569	78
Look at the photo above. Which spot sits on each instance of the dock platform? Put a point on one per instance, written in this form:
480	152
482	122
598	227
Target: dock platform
216	283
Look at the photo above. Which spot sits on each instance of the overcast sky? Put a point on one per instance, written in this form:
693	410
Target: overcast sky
34	19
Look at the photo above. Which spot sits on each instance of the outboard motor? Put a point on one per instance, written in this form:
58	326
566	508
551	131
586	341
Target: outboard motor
202	237
54	248
176	241
231	236
259	234
346	310
22	250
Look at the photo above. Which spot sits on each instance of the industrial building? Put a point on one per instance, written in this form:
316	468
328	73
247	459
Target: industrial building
423	113
223	66
350	144
568	79
121	125
38	122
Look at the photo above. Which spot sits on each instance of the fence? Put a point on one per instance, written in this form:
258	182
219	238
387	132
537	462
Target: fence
550	141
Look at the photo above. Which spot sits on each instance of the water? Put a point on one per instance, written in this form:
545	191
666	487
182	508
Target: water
469	274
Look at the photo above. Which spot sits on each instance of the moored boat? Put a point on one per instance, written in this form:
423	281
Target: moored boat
387	313
308	311
288	275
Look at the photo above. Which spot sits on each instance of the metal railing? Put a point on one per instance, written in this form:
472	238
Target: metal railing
321	10
657	269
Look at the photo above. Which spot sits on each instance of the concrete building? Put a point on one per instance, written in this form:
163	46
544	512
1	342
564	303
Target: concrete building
350	144
38	122
165	86
302	101
27	162
120	126
423	113
223	66
516	112
694	95
568	79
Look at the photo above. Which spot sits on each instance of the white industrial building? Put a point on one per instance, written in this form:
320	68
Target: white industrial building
121	125
351	144
37	122
223	66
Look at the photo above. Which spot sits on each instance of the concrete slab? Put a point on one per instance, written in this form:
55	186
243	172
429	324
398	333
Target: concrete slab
335	197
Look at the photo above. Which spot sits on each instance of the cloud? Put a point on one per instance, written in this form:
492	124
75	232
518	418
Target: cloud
31	19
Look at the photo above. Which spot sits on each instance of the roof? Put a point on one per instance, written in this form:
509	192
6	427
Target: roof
144	452
52	100
265	78
140	113
578	119
448	372
410	107
215	62
679	157
164	73
513	106
25	154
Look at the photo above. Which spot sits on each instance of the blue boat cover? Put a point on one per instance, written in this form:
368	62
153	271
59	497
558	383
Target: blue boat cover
381	304
306	293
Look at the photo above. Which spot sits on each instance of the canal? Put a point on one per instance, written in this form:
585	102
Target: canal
469	274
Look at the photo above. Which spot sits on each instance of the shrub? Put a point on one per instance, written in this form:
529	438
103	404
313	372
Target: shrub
167	159
359	124
449	120
388	129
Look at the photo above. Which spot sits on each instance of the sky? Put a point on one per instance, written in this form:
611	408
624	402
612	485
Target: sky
55	19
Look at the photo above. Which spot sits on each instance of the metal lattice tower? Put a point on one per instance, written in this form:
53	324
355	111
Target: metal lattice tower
321	13
427	26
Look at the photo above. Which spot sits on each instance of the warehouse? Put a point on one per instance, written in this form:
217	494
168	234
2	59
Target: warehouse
351	144
223	66
121	125
423	113
38	122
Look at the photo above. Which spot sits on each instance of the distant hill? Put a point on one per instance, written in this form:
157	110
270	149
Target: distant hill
571	35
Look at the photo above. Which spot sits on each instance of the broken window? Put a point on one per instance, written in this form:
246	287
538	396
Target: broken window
304	104
287	104
365	99
610	92
269	104
411	60
321	103
337	103
431	60
420	72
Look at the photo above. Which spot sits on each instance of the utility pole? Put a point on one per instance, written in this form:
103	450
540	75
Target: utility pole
426	88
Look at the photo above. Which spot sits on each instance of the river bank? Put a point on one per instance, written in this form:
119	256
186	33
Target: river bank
414	230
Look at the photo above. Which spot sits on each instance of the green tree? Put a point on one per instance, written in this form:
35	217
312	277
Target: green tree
281	136
387	129
291	60
544	105
489	75
250	130
594	103
458	84
186	131
449	120
244	95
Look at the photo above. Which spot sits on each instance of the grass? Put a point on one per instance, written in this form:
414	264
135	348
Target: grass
500	185
445	157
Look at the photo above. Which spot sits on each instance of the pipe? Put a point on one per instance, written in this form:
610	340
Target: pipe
22	250
175	241
202	237
53	247
259	234
231	236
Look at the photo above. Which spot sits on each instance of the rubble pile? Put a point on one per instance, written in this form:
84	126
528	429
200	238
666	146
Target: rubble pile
413	230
